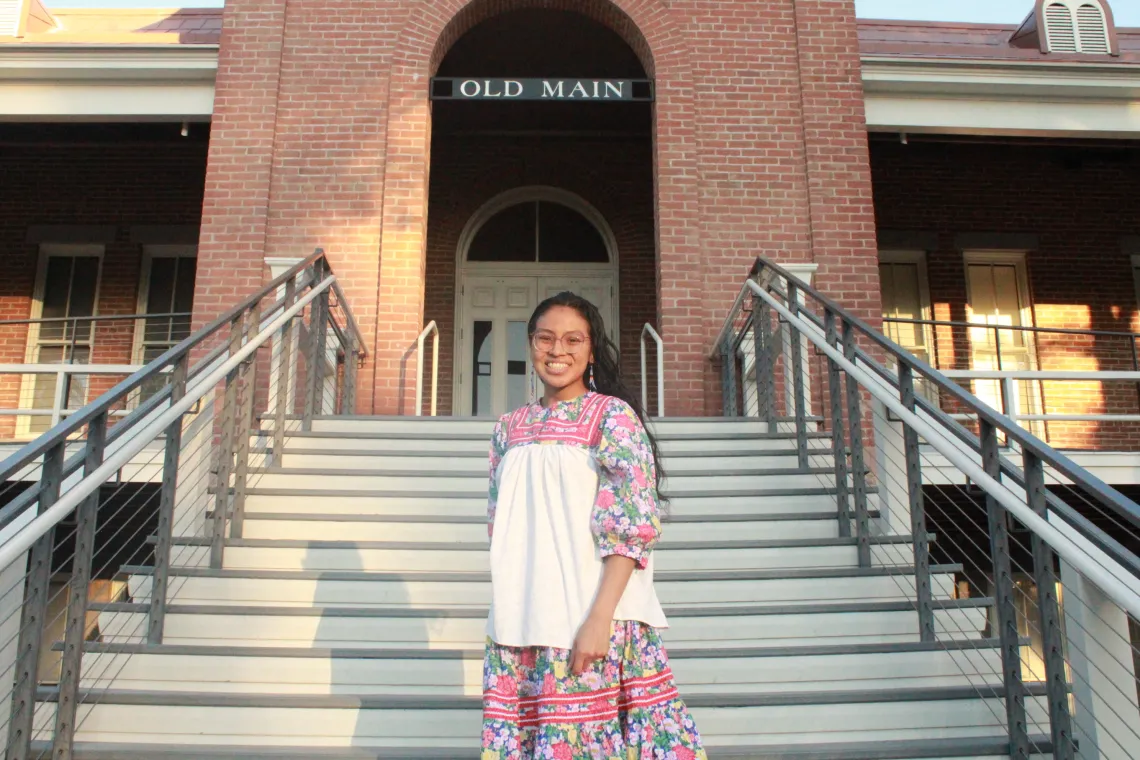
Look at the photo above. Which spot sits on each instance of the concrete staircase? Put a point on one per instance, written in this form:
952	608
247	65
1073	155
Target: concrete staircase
348	619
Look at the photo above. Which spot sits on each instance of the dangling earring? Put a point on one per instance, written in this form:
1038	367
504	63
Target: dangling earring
590	378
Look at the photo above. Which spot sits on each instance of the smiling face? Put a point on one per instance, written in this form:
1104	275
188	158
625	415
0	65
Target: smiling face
561	351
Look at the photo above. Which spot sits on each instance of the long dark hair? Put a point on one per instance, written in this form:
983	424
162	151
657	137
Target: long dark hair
606	367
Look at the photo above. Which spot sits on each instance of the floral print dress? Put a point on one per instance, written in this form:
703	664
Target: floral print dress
571	484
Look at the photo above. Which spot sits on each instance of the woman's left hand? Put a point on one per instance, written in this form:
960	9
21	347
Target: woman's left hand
592	643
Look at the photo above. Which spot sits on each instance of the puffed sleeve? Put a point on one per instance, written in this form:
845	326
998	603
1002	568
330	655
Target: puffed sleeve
498	450
626	518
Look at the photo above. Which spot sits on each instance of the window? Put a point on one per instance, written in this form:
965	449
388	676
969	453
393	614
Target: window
166	287
1073	26
998	304
67	286
906	296
539	231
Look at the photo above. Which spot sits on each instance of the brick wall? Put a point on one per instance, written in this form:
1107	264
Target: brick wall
323	129
1072	205
65	179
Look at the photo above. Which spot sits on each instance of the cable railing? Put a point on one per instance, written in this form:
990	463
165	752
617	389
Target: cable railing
1074	388
982	516
101	524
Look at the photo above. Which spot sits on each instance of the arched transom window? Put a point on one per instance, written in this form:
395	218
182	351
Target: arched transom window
538	231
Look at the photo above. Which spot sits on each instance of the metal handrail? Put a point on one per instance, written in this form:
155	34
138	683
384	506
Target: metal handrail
648	329
78	419
1020	328
433	329
49	518
1112	583
1100	575
95	318
1120	504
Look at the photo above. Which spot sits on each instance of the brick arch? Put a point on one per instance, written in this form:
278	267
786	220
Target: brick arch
604	12
431	28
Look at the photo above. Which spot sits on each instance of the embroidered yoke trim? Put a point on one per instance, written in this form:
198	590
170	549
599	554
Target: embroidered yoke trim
582	707
583	431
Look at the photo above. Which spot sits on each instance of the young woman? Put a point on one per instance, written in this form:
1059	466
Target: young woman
575	668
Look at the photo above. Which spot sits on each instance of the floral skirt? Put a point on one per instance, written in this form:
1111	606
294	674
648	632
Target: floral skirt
624	708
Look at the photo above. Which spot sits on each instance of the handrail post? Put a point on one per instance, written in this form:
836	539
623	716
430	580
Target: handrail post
284	372
435	372
156	625
348	403
59	398
1049	615
763	366
798	377
923	594
1004	607
86	516
838	443
33	612
858	464
247	391
728	377
318	315
226	450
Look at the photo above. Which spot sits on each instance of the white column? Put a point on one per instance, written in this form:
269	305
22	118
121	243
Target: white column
1106	713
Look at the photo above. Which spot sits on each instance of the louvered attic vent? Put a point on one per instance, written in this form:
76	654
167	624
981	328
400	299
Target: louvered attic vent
10	14
1068	26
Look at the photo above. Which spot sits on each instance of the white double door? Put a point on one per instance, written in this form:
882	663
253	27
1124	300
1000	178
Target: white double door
493	371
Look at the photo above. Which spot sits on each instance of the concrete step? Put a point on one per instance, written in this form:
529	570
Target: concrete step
325	527
782	501
472	590
420	442
254	670
773	627
343	720
475	483
387	556
477	461
982	748
441	426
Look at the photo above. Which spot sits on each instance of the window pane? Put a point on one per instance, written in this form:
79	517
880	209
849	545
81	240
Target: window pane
902	300
517	354
507	236
153	384
57	287
564	235
183	297
160	298
481	368
84	278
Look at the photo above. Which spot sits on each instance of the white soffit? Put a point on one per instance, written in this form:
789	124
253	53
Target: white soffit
1001	97
89	83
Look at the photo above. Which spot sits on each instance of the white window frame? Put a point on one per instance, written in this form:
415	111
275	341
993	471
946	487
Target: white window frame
918	258
150	253
1016	259
46	252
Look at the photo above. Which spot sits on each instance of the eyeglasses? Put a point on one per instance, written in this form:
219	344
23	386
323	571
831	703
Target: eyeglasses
572	343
